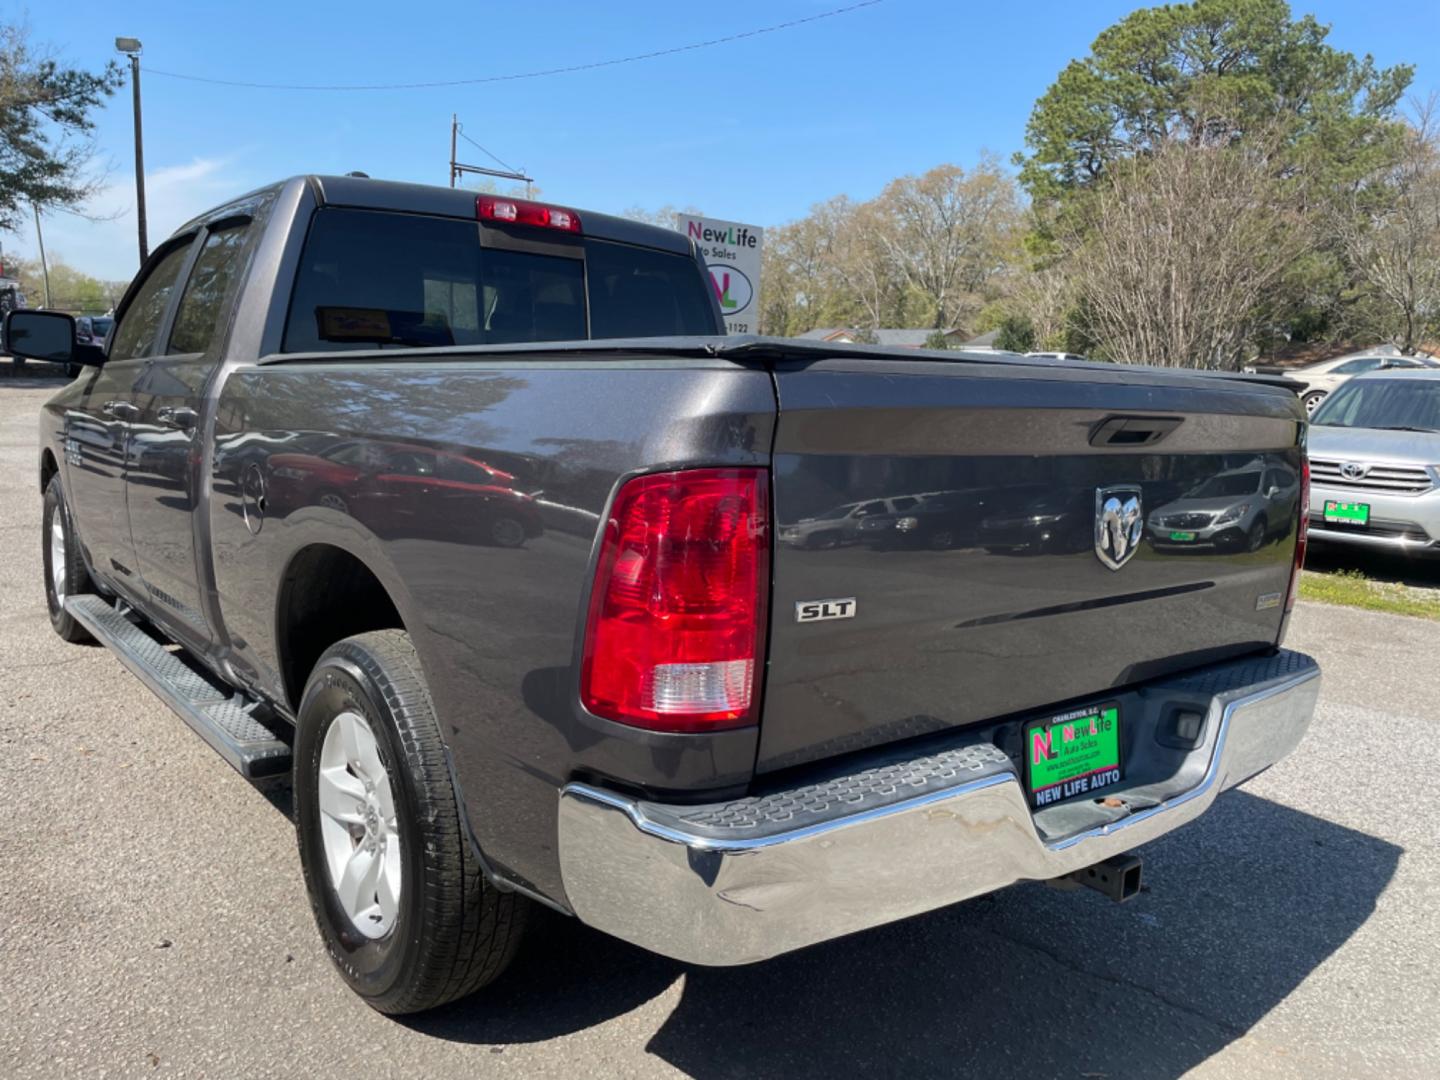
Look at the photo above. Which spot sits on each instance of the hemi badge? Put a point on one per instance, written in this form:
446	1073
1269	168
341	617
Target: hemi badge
816	610
1265	601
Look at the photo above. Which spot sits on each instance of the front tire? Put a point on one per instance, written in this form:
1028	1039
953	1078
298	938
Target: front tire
1312	400
65	572
398	893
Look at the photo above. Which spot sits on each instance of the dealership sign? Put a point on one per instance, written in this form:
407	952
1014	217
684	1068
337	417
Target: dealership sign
732	253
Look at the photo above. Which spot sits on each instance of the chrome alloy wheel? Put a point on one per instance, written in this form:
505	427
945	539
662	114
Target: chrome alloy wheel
358	826
57	556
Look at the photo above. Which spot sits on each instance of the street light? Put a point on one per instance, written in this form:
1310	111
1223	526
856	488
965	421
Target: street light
131	47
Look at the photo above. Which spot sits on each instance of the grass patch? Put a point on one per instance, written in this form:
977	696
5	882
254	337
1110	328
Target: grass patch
1354	589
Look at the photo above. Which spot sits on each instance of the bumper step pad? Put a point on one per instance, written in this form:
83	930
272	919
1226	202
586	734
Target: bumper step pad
237	728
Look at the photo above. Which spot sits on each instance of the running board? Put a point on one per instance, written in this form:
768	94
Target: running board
234	725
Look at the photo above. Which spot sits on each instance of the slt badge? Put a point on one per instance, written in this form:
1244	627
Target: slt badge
1119	523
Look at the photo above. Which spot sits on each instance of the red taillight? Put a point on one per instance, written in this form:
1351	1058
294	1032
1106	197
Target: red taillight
675	635
524	212
1302	536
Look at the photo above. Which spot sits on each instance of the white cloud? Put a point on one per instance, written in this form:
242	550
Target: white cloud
107	248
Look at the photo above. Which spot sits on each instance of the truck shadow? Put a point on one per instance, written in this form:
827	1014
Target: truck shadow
1245	904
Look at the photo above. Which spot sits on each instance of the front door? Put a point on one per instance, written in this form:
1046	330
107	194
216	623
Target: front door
97	433
163	489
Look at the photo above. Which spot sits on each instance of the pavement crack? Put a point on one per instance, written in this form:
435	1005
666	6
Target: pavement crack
1233	1030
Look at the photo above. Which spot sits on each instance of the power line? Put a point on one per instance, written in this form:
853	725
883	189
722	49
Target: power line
528	74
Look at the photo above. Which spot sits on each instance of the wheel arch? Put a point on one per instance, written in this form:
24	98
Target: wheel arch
327	593
49	466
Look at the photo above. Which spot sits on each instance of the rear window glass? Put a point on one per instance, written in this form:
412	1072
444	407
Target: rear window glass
636	292
372	279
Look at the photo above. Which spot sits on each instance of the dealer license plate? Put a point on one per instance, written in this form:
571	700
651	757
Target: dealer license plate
1182	537
1076	753
1347	513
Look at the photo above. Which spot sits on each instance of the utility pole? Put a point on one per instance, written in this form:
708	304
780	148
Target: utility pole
131	48
458	169
40	242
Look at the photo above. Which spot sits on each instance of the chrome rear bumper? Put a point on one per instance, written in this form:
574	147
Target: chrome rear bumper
754	878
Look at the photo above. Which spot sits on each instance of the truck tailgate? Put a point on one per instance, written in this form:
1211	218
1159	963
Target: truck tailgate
955	505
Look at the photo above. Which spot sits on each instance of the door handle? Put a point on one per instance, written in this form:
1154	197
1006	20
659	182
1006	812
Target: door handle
178	416
120	410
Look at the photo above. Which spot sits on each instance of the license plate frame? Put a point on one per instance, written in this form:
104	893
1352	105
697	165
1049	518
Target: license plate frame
1049	780
1340	512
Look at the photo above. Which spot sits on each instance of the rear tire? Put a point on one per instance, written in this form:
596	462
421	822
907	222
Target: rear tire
65	571
448	932
1312	401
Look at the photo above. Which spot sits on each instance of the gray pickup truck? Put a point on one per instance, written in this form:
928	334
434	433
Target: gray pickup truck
463	514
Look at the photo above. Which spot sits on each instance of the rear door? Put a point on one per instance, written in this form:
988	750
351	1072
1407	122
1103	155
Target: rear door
163	484
1017	609
97	434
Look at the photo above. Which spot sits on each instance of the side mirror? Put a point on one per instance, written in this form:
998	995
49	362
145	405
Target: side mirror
48	335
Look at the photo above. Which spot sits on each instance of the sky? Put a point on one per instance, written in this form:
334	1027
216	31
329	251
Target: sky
753	130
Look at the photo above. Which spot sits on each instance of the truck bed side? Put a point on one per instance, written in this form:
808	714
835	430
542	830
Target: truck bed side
401	466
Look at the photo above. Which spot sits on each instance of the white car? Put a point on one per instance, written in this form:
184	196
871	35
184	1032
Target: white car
1321	378
1374	451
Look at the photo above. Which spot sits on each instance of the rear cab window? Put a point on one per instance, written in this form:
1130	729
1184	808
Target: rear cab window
200	320
371	278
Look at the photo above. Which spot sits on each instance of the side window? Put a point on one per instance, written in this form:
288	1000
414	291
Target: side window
135	336
410	463
198	323
1355	367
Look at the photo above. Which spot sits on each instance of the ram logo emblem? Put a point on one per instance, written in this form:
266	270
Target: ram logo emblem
1119	524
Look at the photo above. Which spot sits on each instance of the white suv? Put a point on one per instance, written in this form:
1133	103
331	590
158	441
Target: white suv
1374	448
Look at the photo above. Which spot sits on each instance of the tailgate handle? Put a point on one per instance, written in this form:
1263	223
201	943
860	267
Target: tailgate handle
1133	430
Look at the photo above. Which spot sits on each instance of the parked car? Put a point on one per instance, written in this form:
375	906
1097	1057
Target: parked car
91	329
937	520
406	489
1326	376
667	725
1036	519
842	524
1374	450
1058	355
1239	509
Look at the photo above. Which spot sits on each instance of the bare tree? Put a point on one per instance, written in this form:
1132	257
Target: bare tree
1178	257
1045	295
857	241
947	232
1390	232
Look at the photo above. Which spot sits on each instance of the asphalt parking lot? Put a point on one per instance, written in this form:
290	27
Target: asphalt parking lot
153	920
